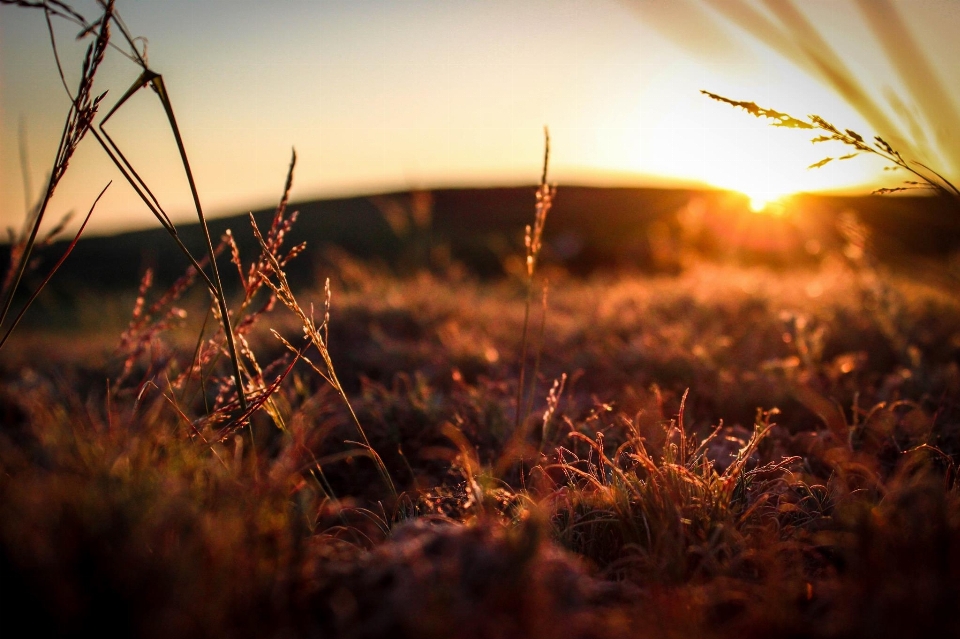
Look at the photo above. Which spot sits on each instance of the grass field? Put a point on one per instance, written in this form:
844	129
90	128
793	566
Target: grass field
805	486
719	424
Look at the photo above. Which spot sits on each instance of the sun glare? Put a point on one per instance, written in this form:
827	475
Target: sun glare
758	204
762	167
766	203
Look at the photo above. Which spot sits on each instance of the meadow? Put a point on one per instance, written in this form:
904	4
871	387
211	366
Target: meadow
726	443
732	449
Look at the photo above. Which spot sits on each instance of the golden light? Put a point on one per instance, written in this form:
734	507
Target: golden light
768	164
762	204
765	189
684	136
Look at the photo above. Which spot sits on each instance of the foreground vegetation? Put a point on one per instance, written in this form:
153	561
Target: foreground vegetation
804	486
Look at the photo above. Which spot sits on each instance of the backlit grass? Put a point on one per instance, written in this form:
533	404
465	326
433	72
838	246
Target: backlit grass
728	451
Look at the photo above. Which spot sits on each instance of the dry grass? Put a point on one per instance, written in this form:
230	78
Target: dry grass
727	452
124	496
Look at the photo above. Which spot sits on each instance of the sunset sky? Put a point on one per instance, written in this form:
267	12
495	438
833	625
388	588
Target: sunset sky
381	95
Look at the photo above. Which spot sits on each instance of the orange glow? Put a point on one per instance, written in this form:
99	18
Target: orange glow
761	205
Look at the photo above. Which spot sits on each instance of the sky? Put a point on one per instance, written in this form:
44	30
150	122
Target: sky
390	95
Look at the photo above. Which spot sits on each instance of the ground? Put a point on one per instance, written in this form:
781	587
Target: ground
727	450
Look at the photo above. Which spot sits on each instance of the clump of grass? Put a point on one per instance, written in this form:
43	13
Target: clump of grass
665	516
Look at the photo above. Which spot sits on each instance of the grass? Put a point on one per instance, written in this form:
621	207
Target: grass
80	119
924	176
724	452
632	514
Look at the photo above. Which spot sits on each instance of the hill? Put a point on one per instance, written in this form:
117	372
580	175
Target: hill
588	228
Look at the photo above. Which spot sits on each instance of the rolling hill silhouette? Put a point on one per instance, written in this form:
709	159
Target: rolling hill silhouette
588	228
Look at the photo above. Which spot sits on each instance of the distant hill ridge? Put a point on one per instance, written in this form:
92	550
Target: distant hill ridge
588	228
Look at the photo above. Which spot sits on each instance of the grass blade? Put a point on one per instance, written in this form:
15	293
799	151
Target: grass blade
55	268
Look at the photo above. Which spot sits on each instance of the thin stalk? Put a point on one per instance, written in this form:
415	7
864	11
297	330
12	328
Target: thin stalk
55	268
318	336
213	282
157	83
533	238
538	348
523	352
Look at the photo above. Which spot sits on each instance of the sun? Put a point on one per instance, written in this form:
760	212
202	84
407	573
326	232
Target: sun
768	164
767	203
763	175
758	204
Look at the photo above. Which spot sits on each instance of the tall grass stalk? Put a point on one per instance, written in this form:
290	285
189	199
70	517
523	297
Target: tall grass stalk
538	349
318	336
84	105
533	242
927	178
912	121
150	78
80	120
